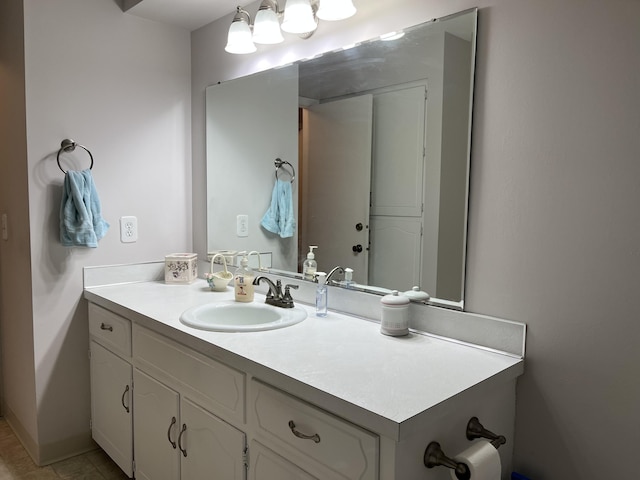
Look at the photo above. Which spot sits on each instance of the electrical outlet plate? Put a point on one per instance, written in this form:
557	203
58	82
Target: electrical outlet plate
128	229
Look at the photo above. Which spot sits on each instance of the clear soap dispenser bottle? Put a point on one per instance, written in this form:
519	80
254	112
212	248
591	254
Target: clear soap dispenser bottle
243	281
310	266
321	295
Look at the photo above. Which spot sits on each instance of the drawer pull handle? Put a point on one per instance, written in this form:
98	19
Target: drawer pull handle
104	326
315	437
124	394
183	450
173	422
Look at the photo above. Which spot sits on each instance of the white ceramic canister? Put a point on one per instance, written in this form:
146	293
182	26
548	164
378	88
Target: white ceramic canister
395	314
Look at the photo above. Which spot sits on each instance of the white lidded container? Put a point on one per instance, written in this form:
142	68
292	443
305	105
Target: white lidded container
181	267
395	314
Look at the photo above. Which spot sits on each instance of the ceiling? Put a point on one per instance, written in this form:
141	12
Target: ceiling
189	14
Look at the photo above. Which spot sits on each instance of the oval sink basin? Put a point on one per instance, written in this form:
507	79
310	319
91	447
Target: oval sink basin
230	316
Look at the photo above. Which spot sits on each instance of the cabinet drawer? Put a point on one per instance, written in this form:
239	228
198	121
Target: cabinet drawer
265	464
347	450
211	384
110	330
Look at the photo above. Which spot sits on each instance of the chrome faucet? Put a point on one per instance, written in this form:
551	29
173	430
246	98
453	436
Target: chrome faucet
338	269
275	296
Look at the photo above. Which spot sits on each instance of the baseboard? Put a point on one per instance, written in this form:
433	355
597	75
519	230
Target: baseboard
54	452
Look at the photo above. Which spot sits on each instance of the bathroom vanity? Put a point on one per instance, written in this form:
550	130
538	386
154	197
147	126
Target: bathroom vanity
327	398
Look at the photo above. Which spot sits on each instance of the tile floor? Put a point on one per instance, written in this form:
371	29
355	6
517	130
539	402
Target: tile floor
16	464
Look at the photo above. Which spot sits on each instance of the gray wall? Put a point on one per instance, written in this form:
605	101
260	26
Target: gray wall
119	85
553	229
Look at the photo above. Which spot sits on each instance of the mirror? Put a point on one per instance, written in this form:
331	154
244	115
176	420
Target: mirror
376	144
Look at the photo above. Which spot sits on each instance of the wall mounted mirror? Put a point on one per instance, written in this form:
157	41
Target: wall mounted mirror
378	136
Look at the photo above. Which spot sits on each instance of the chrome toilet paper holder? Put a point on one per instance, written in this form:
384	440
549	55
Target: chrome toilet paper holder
435	457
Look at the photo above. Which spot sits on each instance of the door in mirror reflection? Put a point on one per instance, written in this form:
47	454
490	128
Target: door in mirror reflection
336	174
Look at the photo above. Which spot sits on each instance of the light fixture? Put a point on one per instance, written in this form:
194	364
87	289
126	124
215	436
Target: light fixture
266	28
335	9
239	39
387	37
299	17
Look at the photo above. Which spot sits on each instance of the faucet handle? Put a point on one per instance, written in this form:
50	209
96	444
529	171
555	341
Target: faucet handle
287	299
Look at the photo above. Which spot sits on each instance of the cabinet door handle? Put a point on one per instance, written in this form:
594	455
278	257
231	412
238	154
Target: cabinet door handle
124	394
104	326
183	450
173	422
315	437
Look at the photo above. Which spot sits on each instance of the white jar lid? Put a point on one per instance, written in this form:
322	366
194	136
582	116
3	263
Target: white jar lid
416	294
394	299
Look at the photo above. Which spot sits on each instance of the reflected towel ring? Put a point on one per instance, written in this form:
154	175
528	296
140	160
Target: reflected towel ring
69	145
279	163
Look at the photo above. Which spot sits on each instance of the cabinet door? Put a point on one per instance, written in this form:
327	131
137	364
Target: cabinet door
268	465
156	427
111	413
210	448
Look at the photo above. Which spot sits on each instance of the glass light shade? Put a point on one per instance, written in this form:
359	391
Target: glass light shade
298	17
239	38
335	9
266	28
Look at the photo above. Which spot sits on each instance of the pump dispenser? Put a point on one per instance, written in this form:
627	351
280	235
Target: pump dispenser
348	278
321	295
310	266
243	281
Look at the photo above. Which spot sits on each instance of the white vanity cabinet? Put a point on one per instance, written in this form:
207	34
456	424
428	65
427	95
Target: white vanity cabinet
166	396
183	403
111	385
208	405
321	443
177	439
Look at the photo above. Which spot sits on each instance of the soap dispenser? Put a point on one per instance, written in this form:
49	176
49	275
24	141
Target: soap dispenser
348	278
243	281
321	295
310	266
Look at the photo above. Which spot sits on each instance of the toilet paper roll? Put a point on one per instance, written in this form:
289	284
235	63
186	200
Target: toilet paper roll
483	461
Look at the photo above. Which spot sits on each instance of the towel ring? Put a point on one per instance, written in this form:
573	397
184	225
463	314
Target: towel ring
69	145
279	163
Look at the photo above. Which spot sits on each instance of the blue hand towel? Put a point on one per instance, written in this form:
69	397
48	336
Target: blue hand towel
279	217
81	222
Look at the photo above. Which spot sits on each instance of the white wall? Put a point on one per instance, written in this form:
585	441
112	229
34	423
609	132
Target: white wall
119	85
553	229
15	276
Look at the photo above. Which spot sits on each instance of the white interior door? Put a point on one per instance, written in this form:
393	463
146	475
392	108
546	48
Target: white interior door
397	216
395	252
398	151
337	183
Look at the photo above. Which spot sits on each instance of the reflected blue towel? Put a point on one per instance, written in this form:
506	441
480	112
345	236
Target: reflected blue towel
279	218
81	222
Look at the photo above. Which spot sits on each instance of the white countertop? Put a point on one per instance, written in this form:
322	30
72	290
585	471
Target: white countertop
342	363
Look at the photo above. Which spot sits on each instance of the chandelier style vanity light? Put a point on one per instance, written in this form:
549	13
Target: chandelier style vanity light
299	17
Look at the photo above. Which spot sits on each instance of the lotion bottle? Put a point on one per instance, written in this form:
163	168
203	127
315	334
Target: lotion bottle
310	266
243	281
321	295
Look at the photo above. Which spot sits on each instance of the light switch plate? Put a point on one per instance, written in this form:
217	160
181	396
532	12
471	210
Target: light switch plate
242	225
